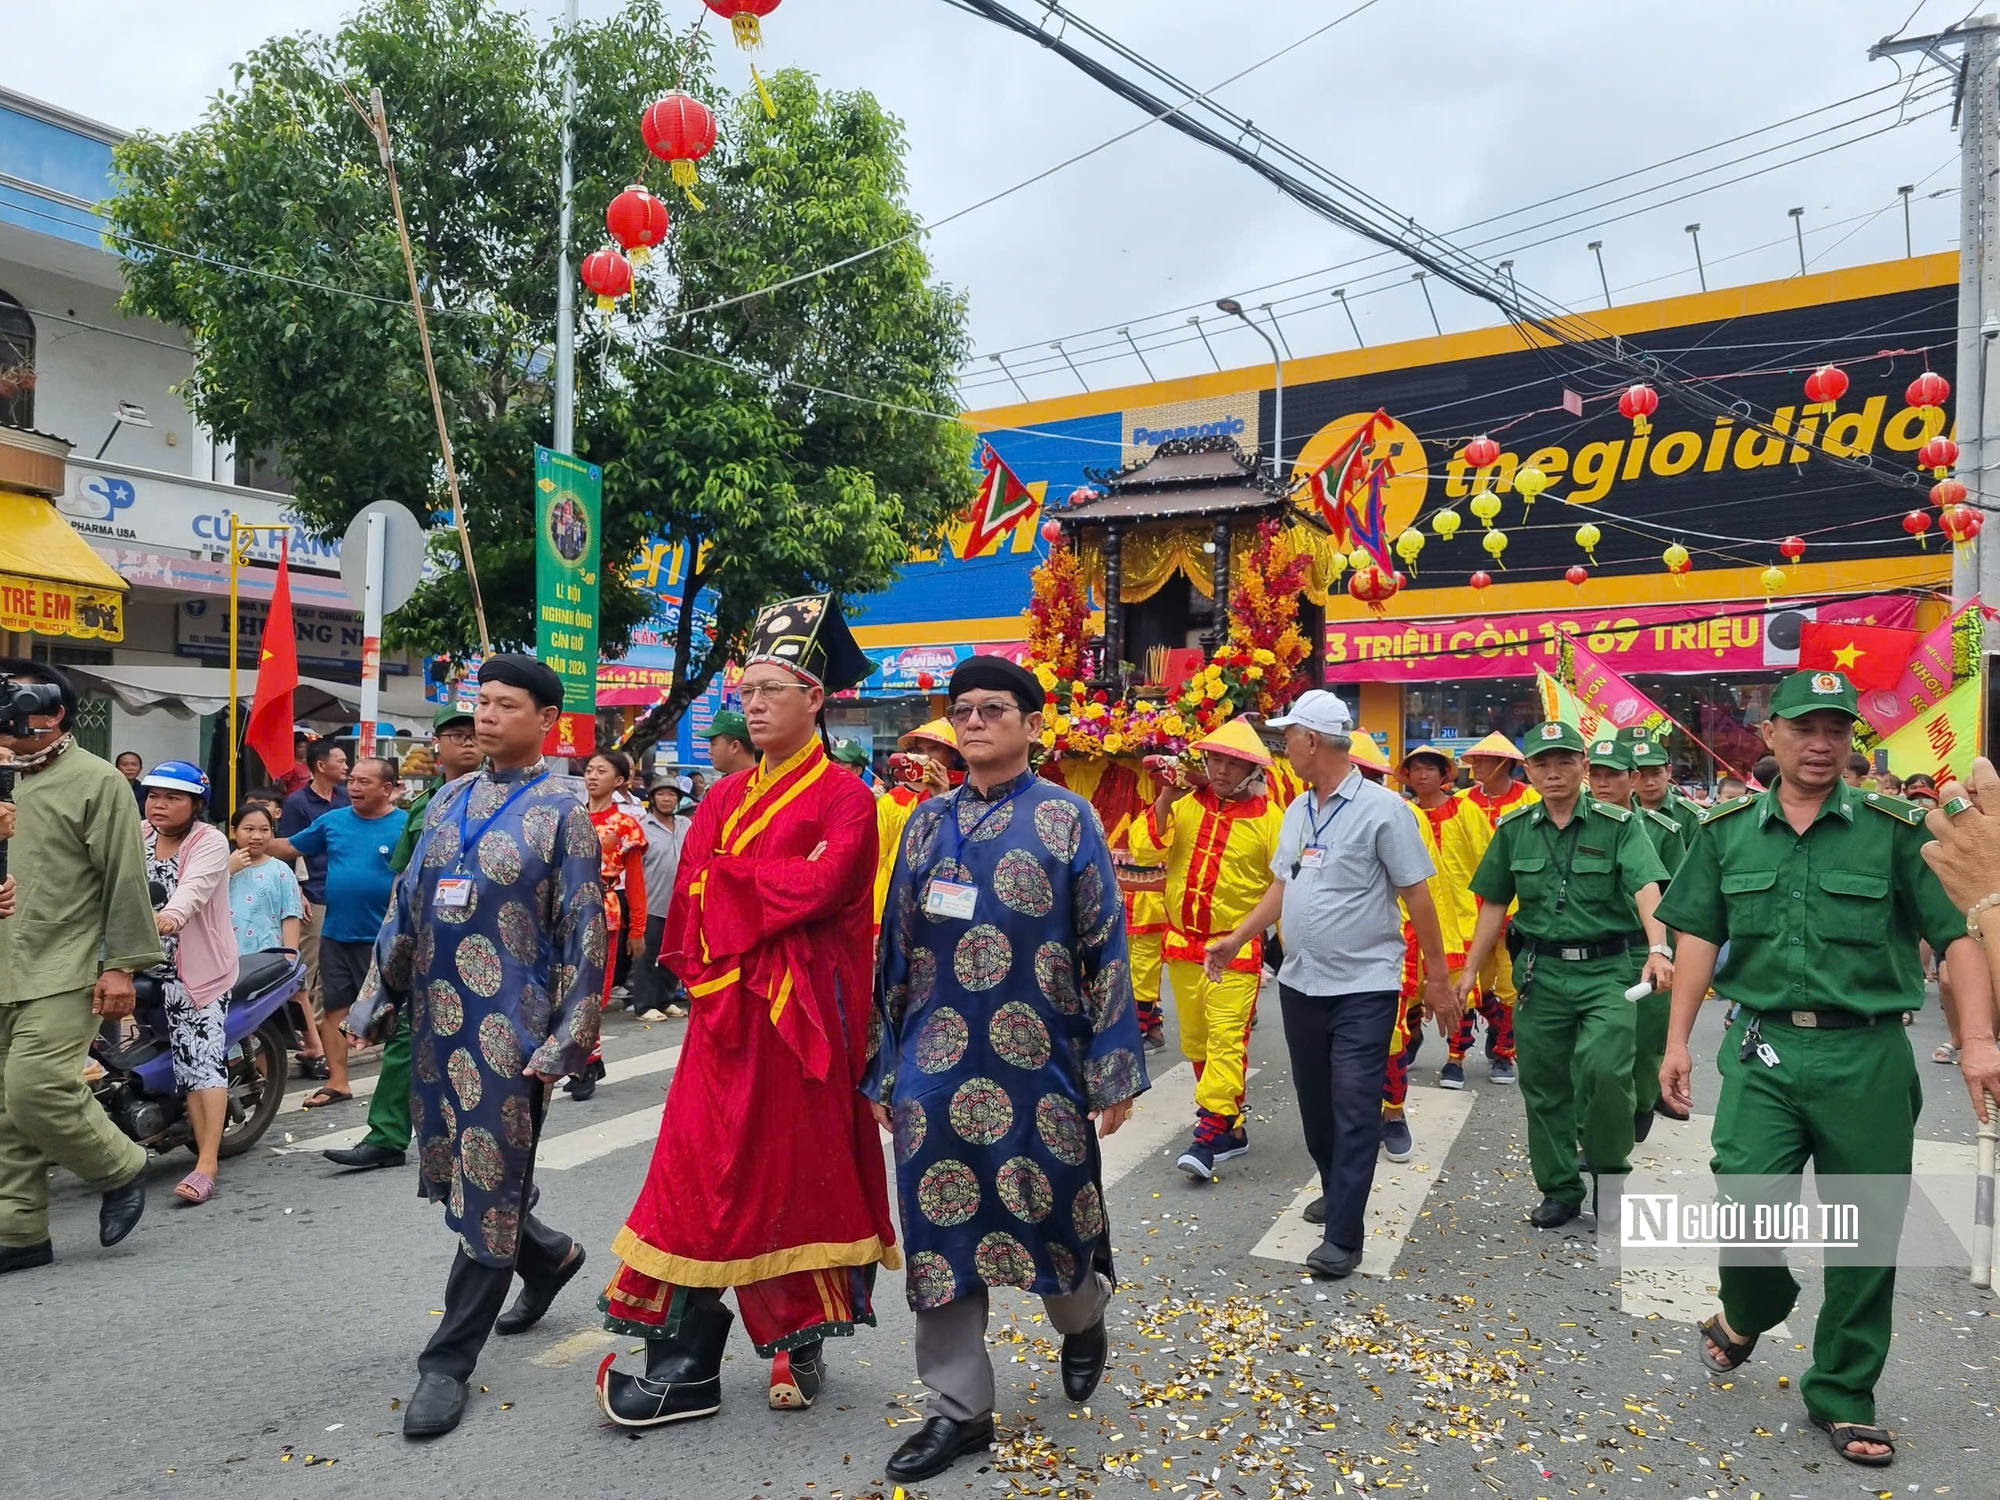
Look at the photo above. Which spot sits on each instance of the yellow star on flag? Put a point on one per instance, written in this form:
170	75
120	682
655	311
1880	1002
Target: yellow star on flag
1845	657
266	656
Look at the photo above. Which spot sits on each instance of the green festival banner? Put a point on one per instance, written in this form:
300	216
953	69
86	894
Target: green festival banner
569	501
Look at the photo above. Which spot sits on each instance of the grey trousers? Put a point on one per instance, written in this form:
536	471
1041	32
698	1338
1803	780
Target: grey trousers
951	1346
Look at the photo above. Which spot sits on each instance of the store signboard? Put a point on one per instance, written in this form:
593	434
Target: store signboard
568	534
1711	637
329	639
115	505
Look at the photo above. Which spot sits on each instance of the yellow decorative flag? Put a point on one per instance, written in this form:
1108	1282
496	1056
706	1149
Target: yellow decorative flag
1941	740
1558	702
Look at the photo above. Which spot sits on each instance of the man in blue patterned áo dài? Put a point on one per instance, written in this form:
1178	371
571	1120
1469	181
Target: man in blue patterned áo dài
493	953
1009	1025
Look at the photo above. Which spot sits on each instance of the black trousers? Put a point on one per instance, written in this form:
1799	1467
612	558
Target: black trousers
475	1294
654	985
1340	1052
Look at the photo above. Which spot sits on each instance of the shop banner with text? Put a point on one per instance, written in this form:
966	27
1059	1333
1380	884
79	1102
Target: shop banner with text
1708	637
1948	649
1622	705
1942	740
568	506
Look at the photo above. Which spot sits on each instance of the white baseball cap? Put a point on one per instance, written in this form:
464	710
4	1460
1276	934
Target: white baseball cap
1321	712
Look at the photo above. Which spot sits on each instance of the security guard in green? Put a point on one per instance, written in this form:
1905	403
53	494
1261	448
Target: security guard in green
1653	780
1822	893
1587	881
1614	779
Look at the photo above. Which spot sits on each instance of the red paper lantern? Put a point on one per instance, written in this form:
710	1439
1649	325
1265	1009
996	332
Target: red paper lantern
1939	454
680	130
1827	383
1373	587
1482	452
925	682
1578	575
608	274
1480	580
1947	493
1083	494
638	221
1052	531
1928	389
742	17
1793	547
1916	523
1961	523
1638	401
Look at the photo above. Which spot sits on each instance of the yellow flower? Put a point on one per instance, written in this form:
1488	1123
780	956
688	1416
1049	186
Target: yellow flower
1093	711
1113	743
1048	739
1174	724
1046	676
1212	672
1263	658
1060	724
1217	688
1255	674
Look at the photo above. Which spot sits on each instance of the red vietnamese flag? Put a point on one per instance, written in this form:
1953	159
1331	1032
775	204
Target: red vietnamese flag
1870	656
269	732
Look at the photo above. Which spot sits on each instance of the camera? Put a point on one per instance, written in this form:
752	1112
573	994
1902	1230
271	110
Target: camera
20	699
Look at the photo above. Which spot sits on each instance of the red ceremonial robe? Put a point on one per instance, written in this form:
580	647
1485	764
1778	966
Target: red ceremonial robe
768	1167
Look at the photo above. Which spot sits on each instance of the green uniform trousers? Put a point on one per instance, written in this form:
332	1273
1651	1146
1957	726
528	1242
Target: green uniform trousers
389	1106
47	1114
1649	1048
1573	1042
1847	1101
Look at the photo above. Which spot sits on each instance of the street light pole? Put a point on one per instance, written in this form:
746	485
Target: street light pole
1340	295
1905	190
1418	278
1235	310
1196	320
565	412
1694	233
1596	248
1798	216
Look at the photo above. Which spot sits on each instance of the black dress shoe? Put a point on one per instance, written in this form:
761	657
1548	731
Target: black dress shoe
364	1157
1642	1124
1083	1356
25	1257
435	1407
1331	1260
120	1210
536	1298
1315	1211
1553	1213
939	1443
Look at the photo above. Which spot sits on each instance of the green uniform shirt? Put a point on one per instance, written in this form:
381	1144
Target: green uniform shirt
79	867
1609	859
1824	921
1669	840
1687	814
413	827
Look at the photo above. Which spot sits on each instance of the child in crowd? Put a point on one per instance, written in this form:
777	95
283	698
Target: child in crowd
265	906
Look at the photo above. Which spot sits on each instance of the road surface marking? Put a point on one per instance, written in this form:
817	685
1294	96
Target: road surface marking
1161	1115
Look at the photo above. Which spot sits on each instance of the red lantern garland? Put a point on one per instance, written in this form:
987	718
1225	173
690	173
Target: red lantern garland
1793	547
1052	531
1374	588
1480	580
1482	452
1578	575
680	130
1939	454
1827	383
1961	523
1916	523
925	682
608	274
638	221
1637	403
1947	493
742	17
1928	389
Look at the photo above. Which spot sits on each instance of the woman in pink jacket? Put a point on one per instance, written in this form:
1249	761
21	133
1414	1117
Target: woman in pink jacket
190	860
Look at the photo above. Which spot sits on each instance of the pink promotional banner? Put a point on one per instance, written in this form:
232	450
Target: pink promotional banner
1713	636
1930	674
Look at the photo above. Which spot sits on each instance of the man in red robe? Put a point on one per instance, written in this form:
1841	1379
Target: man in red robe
768	1173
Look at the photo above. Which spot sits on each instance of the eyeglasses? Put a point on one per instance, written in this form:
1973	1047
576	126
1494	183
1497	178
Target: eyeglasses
757	692
961	714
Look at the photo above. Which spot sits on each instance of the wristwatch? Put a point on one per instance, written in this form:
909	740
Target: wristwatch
1662	949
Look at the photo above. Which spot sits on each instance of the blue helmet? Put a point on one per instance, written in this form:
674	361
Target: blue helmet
178	776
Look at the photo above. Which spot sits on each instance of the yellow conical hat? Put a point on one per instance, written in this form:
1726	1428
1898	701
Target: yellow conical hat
1443	755
1496	744
1365	752
938	730
1238	739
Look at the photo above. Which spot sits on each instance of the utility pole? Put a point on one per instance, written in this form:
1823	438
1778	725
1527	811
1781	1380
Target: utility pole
1909	248
1798	217
565	414
1694	233
1596	248
1975	570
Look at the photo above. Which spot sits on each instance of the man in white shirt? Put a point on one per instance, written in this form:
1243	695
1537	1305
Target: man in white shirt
1348	850
654	987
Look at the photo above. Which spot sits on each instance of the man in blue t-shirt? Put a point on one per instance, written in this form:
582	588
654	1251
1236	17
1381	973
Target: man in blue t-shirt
355	843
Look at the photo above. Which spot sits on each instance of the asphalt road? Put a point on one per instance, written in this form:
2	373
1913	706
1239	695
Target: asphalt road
261	1345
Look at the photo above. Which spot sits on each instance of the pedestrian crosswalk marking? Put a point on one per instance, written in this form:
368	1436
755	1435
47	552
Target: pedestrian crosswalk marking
1436	1116
1160	1116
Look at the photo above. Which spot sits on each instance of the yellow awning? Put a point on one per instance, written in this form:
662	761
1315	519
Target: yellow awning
51	583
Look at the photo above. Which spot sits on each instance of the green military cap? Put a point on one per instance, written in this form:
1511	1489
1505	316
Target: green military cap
848	753
731	723
449	715
1805	692
1608	752
1554	735
1646	751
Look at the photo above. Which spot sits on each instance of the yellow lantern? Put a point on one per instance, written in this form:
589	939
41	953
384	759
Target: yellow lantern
1445	523
1529	482
1408	544
1495	543
1336	565
1359	559
1677	561
1773	580
1486	505
1587	537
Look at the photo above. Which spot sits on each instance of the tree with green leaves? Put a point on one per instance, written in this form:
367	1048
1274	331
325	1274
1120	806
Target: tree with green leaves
783	436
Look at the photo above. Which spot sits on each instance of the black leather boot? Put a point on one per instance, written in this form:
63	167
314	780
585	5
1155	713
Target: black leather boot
683	1376
538	1296
1083	1356
796	1376
118	1213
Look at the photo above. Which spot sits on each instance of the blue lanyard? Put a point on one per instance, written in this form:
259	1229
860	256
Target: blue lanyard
1318	828
467	842
961	839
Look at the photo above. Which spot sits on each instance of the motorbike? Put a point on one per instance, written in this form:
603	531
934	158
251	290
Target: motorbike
136	1086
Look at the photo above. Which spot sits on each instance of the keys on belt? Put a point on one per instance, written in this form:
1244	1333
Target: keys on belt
1755	1046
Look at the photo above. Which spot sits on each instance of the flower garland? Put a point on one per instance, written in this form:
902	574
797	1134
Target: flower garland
1057	615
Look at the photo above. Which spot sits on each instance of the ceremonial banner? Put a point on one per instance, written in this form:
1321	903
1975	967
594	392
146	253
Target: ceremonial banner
1558	702
1616	701
1942	740
568	507
1947	650
1002	503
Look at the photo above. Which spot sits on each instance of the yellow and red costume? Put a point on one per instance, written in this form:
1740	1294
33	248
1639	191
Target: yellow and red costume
1452	833
893	808
1218	858
768	1175
1121	793
1496	980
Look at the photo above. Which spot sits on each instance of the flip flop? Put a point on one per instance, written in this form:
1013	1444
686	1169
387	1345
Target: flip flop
321	1098
1718	1351
1945	1053
196	1187
1840	1434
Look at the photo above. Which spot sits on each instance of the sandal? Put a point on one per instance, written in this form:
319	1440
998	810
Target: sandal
196	1187
1728	1354
314	1066
1945	1053
321	1098
1840	1434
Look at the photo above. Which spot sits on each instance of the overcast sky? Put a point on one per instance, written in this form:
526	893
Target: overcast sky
1451	113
